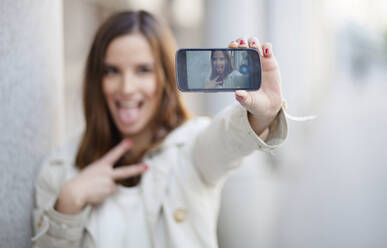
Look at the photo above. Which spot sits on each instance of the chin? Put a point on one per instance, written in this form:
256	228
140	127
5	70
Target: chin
131	129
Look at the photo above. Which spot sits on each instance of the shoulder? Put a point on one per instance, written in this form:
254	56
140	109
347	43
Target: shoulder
66	151
235	73
58	165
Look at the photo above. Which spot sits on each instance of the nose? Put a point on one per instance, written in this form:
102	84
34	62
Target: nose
129	84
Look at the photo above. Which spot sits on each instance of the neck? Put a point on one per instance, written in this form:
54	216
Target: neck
140	140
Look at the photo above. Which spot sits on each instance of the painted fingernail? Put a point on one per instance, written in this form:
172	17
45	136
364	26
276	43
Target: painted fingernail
128	142
240	95
242	42
253	43
145	167
267	51
239	98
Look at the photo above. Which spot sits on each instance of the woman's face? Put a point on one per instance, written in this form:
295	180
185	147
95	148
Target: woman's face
219	61
129	83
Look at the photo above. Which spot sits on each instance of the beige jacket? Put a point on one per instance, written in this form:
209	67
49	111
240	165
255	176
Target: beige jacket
181	190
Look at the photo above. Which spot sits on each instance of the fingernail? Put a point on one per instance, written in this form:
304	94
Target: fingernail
267	51
241	93
253	43
242	42
128	142
238	97
146	167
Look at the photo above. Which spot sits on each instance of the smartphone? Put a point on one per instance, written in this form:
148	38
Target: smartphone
218	69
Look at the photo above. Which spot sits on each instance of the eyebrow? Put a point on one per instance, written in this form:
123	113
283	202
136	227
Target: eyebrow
109	64
136	64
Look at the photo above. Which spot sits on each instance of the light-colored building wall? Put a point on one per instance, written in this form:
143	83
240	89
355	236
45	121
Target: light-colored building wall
31	106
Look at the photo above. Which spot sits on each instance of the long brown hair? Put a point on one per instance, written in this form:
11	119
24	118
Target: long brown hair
228	68
101	133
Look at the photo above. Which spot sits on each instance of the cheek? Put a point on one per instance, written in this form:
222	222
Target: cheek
150	88
149	91
109	87
152	98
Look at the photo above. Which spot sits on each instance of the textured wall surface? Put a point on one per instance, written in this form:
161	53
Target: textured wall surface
31	75
198	69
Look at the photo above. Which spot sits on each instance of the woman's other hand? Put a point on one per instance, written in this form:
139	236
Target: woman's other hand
97	181
264	104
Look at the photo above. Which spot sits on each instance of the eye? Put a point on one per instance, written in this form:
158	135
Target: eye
144	69
110	70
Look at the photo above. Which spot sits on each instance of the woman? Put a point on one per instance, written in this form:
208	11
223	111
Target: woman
142	174
222	73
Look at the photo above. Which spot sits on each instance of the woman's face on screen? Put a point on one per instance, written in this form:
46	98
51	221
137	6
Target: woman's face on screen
219	61
129	83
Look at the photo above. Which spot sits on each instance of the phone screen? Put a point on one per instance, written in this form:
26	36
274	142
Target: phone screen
213	70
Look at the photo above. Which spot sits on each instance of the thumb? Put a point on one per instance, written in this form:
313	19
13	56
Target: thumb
244	98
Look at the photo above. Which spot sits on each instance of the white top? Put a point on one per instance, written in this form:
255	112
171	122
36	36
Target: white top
120	221
235	80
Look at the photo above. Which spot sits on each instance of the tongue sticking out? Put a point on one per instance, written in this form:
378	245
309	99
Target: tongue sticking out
128	115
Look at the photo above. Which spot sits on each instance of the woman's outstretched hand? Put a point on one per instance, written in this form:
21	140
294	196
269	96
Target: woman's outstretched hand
97	181
264	104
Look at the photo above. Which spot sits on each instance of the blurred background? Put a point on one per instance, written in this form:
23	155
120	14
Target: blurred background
325	187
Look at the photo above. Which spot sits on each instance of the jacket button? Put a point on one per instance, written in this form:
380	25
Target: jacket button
180	215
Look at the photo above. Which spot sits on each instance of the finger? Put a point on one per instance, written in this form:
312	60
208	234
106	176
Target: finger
243	43
268	60
127	171
112	188
233	44
238	40
254	43
244	98
116	152
267	49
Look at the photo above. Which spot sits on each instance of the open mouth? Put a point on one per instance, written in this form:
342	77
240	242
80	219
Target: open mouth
129	111
219	69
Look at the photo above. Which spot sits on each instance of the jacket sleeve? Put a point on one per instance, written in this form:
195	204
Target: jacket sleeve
220	147
51	228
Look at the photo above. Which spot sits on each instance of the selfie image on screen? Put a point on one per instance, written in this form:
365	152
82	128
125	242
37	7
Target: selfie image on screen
218	69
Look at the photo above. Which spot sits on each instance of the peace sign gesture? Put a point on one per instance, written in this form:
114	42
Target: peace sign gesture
97	181
263	105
